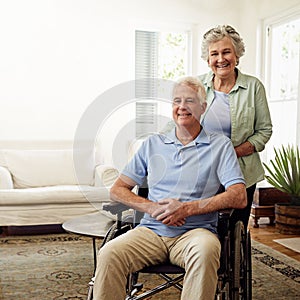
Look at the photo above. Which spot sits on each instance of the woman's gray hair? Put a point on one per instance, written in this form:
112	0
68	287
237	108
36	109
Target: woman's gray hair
195	84
216	34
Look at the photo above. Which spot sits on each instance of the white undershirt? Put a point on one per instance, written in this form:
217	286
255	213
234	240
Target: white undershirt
217	118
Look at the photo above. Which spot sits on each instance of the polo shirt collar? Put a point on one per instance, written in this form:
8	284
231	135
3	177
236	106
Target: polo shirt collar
202	138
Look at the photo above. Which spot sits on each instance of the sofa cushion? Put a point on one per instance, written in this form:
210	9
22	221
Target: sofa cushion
5	179
38	168
54	195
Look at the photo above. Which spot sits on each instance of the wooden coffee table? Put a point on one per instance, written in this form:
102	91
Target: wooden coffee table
93	225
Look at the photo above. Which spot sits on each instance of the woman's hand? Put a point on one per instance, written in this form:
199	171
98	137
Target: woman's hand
244	149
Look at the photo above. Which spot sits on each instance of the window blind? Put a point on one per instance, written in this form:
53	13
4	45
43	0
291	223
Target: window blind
146	72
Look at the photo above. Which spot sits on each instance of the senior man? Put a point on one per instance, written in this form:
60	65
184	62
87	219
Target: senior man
184	169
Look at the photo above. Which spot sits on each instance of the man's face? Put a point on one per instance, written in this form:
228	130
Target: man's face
186	106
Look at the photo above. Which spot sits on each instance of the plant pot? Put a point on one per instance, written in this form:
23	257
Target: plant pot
287	218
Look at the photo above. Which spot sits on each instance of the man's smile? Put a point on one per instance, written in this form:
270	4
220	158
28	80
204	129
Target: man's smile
184	115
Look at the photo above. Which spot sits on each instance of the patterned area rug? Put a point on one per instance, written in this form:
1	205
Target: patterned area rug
275	275
59	266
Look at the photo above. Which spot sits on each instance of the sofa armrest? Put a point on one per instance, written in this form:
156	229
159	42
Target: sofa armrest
6	181
105	175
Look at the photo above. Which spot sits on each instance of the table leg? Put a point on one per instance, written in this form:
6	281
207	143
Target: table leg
95	254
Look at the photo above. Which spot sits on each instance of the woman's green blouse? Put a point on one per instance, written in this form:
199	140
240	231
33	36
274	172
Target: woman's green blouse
250	120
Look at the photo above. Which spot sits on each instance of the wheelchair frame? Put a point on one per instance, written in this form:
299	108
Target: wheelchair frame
234	274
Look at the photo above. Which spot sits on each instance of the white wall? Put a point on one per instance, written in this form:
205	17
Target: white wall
58	56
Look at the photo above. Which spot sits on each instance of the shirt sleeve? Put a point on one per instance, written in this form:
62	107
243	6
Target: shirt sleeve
136	169
262	120
229	170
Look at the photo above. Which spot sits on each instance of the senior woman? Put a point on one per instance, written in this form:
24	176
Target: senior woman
236	106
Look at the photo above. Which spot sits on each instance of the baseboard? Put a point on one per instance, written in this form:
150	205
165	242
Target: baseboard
30	230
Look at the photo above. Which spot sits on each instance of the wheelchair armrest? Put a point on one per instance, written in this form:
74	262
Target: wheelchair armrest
225	213
223	222
115	207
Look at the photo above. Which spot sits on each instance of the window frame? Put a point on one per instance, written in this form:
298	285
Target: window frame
264	65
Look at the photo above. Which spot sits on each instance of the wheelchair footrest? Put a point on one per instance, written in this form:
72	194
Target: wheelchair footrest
138	286
135	289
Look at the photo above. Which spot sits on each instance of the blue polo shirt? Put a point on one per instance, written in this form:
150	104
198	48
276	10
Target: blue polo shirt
191	172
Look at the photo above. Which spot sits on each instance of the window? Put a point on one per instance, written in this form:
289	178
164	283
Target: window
282	63
157	55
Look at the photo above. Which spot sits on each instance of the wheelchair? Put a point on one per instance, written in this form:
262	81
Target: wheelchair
234	274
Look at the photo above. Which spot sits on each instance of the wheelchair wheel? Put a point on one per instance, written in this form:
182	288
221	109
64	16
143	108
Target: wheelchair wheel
236	261
246	268
110	234
241	286
117	229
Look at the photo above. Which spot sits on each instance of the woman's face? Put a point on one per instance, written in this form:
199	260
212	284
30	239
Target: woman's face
222	58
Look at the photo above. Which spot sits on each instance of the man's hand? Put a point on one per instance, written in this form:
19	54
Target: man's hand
170	212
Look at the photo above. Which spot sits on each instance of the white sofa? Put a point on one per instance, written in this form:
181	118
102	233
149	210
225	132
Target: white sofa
40	186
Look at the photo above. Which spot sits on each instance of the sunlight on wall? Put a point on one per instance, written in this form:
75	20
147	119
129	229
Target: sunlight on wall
58	56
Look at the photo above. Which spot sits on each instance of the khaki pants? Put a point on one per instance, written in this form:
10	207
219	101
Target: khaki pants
197	251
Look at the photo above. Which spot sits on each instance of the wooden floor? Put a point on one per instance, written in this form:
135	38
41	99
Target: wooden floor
266	233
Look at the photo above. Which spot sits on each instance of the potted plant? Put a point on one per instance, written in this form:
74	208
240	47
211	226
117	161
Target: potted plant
284	175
